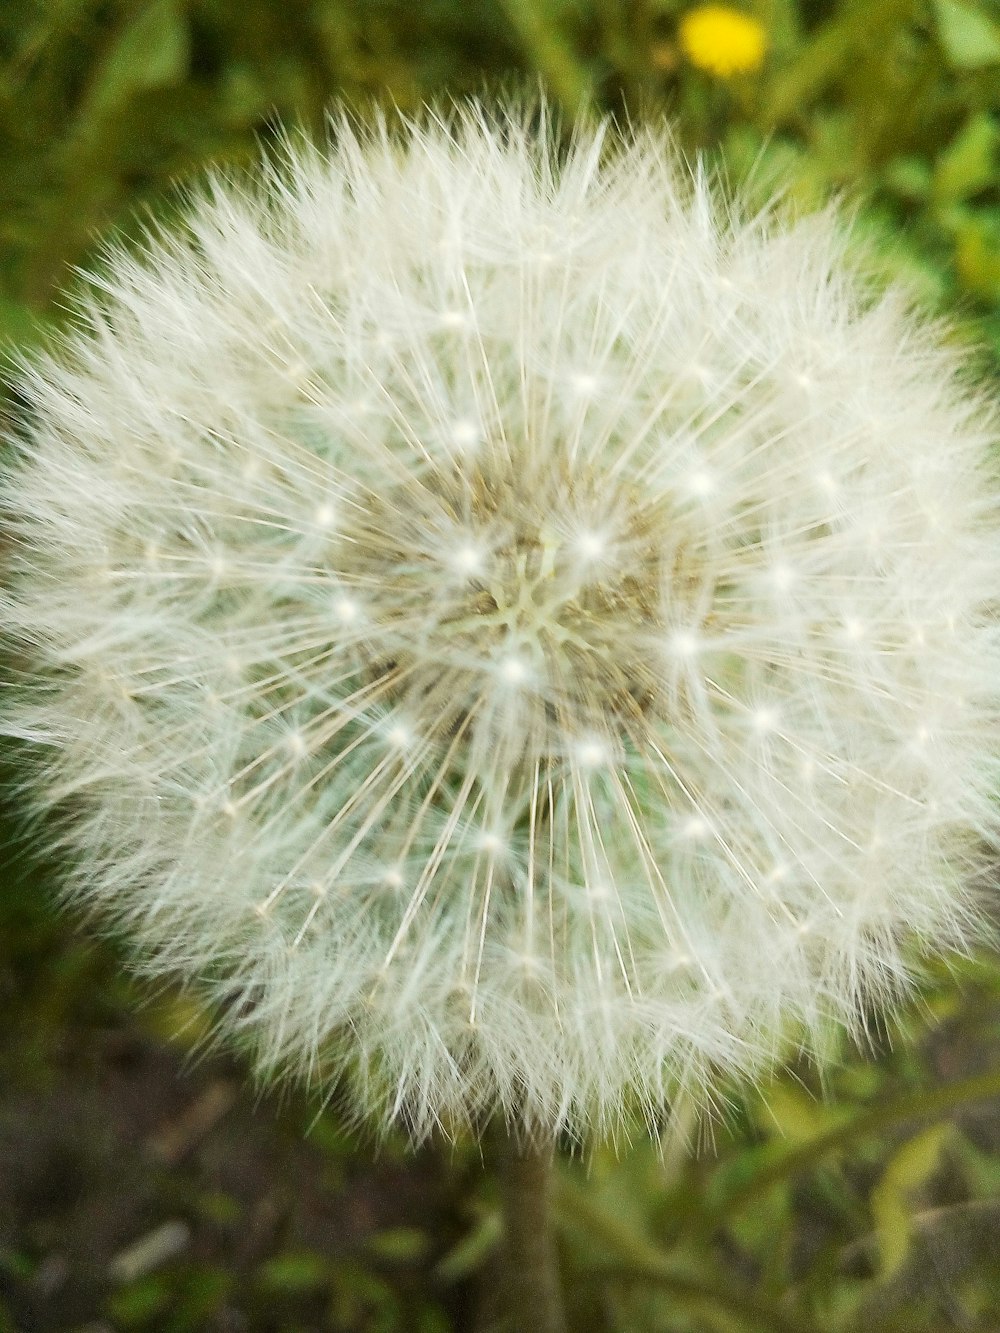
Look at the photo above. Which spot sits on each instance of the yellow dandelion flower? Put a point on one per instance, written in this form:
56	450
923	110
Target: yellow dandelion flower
722	41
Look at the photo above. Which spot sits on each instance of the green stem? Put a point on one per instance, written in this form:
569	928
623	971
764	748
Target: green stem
533	1290
877	1119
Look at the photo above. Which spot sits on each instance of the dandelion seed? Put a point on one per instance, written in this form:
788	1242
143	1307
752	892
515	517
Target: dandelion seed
515	693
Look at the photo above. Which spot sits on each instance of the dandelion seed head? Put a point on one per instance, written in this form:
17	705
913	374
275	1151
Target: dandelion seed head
520	636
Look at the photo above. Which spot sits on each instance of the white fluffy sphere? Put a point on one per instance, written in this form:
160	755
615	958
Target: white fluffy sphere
518	634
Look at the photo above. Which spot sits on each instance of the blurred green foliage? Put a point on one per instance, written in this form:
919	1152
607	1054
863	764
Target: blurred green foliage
137	1196
894	104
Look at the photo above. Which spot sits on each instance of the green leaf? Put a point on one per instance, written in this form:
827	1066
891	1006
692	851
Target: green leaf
152	52
357	1295
399	1245
200	1294
296	1272
891	1198
219	1208
908	177
970	39
472	1250
140	1302
797	1117
977	257
969	163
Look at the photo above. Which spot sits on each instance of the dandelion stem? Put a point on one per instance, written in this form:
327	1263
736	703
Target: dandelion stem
534	1292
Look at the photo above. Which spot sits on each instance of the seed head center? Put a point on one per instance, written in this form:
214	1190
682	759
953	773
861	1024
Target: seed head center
535	599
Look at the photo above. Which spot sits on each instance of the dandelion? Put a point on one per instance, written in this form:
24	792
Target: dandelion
722	41
513	631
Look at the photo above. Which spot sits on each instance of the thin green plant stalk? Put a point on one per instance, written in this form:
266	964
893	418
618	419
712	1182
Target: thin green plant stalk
878	1118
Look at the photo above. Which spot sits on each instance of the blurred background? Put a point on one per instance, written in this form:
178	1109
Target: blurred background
143	1184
